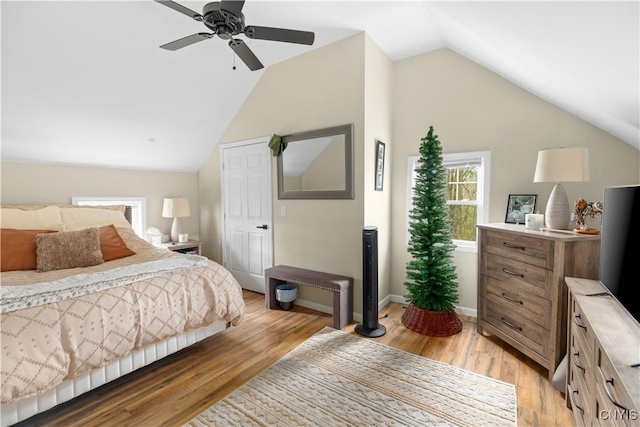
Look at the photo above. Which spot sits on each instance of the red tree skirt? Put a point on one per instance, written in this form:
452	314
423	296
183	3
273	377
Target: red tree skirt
431	323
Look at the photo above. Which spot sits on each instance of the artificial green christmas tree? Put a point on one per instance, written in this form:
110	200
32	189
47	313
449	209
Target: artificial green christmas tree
431	275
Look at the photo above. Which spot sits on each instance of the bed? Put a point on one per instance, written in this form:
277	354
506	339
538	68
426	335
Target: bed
95	302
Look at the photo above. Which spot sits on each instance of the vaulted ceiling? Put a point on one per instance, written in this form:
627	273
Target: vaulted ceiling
85	82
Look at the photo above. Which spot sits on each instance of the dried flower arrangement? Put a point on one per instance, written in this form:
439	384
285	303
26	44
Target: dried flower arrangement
583	210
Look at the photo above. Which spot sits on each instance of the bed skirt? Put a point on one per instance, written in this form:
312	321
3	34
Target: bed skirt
20	410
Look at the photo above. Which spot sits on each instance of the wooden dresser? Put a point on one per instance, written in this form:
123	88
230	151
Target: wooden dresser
603	386
522	296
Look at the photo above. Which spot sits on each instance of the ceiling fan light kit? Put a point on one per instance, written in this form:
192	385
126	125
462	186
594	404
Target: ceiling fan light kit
226	20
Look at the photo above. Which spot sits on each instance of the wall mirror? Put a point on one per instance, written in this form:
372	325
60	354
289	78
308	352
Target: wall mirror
317	164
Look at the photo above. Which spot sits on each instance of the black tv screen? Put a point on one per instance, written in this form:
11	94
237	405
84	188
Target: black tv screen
619	265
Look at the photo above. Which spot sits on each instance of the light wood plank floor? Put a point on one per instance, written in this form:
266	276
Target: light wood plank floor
174	390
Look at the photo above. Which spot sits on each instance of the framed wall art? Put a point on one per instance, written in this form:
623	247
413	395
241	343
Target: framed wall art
379	165
518	205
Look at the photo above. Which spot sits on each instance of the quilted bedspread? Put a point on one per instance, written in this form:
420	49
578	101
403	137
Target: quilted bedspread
49	342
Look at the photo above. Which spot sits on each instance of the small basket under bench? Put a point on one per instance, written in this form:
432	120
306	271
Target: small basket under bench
341	286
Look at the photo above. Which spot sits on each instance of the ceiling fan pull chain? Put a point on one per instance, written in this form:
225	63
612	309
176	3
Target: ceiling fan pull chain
234	61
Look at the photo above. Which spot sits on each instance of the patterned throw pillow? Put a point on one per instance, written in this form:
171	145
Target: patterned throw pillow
71	249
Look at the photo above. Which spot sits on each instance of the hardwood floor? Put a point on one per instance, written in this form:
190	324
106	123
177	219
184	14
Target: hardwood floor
177	388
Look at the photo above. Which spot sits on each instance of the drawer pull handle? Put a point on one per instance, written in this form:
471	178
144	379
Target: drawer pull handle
512	273
576	361
610	395
511	325
506	245
576	319
508	298
573	400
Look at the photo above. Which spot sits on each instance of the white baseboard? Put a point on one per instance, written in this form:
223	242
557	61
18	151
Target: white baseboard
357	317
465	311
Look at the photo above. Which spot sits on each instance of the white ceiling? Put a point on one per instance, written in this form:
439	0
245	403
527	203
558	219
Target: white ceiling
85	82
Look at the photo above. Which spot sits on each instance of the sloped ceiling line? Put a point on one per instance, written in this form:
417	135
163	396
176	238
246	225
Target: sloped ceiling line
96	91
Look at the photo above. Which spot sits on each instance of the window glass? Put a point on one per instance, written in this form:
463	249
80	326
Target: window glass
462	199
138	208
467	177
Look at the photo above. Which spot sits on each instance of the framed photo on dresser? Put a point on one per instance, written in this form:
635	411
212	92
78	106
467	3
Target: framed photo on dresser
518	205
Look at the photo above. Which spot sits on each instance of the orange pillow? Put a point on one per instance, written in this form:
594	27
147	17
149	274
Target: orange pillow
18	249
112	245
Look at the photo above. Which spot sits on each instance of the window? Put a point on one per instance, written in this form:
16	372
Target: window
467	179
138	208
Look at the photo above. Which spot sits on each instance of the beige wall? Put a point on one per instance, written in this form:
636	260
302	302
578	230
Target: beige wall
473	109
315	90
28	183
378	97
352	81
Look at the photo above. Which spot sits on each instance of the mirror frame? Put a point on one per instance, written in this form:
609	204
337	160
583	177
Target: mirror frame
349	179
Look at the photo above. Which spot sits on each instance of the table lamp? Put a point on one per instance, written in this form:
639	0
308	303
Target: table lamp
570	164
176	208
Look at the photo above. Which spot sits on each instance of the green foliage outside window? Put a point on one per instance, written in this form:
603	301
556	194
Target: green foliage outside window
462	188
462	185
463	221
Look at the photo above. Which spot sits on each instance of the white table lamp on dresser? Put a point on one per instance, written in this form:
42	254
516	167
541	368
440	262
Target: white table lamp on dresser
176	208
570	164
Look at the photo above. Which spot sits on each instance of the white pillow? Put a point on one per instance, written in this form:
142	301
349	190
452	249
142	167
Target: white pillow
76	218
25	218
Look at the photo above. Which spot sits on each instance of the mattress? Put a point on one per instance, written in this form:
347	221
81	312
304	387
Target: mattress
19	410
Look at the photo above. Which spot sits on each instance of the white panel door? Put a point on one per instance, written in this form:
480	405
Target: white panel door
246	181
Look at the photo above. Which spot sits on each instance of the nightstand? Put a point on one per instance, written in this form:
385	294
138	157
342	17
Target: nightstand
192	247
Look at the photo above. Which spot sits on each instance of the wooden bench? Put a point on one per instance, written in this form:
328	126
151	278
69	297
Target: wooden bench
341	286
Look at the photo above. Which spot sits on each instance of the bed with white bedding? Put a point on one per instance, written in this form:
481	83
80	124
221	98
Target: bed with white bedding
65	331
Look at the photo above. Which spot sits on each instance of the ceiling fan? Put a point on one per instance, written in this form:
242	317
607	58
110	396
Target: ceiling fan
226	20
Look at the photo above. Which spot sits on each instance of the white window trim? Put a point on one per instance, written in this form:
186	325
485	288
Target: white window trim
483	190
140	203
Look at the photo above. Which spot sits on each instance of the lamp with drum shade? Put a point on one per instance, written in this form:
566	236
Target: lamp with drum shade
176	208
566	164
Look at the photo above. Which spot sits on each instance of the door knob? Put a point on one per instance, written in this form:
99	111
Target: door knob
264	226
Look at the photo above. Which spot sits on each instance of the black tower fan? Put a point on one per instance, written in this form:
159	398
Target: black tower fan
370	326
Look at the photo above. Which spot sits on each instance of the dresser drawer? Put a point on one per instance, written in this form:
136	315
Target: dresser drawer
581	377
518	274
530	306
581	358
614	405
580	399
607	414
527	249
513	323
581	328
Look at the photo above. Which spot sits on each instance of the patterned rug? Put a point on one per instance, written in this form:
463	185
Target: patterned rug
338	379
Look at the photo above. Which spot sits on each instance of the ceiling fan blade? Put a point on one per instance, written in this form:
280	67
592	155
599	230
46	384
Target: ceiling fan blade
244	53
279	34
182	9
233	6
186	41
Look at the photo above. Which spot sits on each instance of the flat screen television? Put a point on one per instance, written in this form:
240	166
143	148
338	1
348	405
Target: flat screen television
619	262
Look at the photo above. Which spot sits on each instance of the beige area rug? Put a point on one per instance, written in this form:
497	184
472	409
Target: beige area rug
337	379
